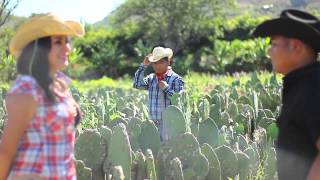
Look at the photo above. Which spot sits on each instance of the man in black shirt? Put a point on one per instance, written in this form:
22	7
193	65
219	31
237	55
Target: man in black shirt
295	44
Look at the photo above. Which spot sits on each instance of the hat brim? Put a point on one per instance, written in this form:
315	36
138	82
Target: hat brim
155	59
291	29
42	28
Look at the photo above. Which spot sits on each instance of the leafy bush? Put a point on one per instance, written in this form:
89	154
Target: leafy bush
5	36
235	56
8	70
240	27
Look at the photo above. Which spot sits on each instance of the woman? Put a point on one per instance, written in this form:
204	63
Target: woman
38	138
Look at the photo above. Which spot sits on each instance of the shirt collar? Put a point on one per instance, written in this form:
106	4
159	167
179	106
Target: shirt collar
301	73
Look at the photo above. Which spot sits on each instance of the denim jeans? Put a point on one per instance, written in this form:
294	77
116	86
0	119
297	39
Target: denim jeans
161	128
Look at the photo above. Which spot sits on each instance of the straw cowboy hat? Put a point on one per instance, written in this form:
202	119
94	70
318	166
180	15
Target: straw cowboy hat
293	23
41	26
159	52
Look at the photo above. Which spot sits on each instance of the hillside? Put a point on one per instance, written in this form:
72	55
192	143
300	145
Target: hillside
275	6
259	7
281	3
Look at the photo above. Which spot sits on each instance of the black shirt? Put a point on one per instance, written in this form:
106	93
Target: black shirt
299	123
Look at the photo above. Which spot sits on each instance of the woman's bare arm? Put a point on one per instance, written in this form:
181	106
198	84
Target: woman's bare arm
21	109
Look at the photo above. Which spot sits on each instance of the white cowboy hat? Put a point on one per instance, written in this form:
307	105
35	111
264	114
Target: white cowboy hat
160	52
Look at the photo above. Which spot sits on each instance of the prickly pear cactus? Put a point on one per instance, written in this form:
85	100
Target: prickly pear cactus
176	170
264	122
186	148
149	137
215	112
174	121
234	94
132	122
117	121
200	166
204	109
208	132
225	119
140	166
129	111
253	159
194	127
117	173
105	134
273	130
134	130
175	99
269	113
151	170
188	174
83	173
119	153
228	161
217	100
270	164
243	142
243	165
89	149
214	164
233	109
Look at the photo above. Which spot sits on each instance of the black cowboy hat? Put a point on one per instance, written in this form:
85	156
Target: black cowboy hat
293	23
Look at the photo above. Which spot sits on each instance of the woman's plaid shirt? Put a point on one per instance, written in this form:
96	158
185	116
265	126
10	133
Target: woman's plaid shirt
158	99
46	148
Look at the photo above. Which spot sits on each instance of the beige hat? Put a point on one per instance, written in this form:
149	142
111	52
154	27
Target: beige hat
41	26
159	52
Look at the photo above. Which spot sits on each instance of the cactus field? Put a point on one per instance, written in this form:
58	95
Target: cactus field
220	128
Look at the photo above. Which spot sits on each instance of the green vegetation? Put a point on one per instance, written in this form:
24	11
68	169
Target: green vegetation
221	127
201	33
207	36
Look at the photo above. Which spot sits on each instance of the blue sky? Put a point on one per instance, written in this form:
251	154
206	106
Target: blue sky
89	11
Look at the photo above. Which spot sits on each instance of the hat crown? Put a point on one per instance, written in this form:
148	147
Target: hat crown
45	16
42	25
161	52
302	17
293	23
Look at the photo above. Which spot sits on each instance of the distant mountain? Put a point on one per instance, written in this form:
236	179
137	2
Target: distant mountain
281	3
103	22
278	5
265	7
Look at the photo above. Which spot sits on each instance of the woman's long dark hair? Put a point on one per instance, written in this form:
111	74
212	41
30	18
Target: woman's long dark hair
34	61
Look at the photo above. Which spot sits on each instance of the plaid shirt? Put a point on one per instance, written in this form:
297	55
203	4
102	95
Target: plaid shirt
46	147
158	99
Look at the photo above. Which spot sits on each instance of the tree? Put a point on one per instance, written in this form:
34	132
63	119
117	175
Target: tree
171	22
6	9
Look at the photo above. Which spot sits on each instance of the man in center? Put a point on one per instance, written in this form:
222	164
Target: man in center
161	84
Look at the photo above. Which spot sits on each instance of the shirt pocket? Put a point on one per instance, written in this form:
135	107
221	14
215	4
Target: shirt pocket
60	119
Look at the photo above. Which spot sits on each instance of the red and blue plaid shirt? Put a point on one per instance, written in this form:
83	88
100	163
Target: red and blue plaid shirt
158	99
46	147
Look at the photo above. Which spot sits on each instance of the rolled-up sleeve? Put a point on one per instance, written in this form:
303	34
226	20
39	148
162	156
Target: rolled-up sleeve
141	82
